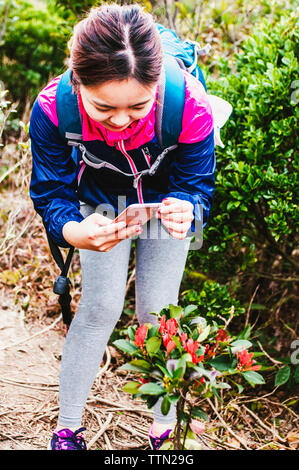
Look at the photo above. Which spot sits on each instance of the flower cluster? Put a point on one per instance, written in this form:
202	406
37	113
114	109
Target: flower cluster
183	355
168	329
222	336
245	361
191	347
140	336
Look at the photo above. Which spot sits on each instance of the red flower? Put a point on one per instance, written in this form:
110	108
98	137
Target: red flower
222	336
144	381
210	350
191	347
168	343
245	361
162	325
199	382
140	335
184	337
172	326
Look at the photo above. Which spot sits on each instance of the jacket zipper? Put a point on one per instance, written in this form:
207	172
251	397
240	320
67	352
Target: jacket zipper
121	147
147	156
83	165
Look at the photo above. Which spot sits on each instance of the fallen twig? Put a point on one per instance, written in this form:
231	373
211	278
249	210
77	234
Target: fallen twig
249	306
121	407
263	424
101	431
34	335
103	369
25	385
269	357
131	278
226	425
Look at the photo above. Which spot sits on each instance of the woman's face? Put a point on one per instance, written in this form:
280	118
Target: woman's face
117	104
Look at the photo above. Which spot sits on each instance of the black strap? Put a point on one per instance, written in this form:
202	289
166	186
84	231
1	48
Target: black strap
62	282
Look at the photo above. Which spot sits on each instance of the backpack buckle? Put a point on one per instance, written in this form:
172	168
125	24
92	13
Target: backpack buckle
61	285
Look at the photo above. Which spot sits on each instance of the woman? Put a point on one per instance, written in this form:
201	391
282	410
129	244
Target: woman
116	62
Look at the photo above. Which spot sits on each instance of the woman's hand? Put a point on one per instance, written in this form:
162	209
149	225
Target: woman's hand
97	232
177	216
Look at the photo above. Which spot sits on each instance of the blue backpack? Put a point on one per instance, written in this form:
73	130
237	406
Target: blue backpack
177	55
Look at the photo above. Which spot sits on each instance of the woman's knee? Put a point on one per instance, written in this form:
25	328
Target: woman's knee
145	309
100	312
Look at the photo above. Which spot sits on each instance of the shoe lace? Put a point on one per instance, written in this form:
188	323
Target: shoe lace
75	441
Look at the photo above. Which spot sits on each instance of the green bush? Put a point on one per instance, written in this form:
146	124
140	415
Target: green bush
254	215
33	49
213	301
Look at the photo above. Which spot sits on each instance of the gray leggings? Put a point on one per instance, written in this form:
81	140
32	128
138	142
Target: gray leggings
159	267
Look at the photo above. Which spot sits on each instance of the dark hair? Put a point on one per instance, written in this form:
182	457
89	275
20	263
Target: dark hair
115	43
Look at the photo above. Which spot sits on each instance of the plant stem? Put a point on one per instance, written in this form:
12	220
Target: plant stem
177	431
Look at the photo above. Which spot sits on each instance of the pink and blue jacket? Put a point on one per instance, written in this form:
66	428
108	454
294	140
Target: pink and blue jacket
60	179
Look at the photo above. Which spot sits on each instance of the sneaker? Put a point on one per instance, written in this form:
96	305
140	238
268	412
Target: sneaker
156	442
65	439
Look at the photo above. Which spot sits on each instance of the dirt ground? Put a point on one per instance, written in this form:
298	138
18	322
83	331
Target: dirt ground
29	373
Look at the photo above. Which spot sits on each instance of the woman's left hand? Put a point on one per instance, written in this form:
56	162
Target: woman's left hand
177	216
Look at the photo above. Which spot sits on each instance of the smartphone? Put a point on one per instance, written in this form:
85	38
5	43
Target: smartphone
138	213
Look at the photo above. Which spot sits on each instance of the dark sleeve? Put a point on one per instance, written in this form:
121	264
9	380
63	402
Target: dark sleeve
54	176
192	176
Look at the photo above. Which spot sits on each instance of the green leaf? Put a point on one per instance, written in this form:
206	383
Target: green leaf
153	331
189	309
236	195
131	333
222	385
173	399
214	390
175	311
245	334
151	389
204	334
132	387
125	346
282	375
141	364
296	375
177	342
198	413
239	344
254	378
221	363
153	345
151	400
165	372
180	368
131	368
165	405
